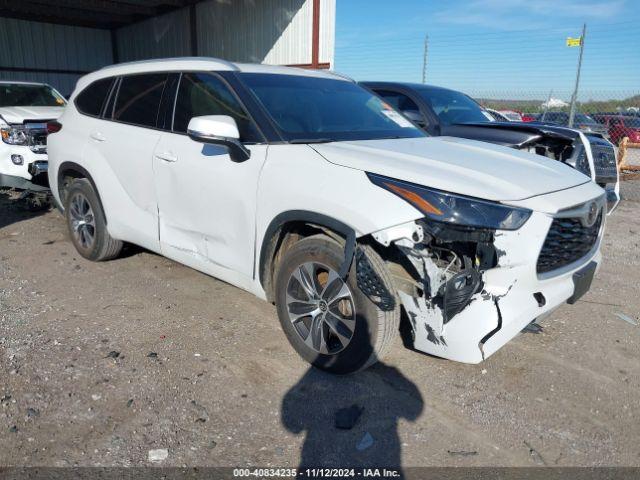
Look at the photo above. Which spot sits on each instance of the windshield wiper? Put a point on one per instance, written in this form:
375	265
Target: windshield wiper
311	140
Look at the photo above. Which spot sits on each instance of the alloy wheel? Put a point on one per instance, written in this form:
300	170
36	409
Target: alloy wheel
83	222
321	308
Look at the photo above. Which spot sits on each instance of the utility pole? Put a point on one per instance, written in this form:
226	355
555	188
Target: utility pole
424	59
546	105
574	97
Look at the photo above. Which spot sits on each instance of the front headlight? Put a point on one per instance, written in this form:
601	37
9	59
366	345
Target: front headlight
453	208
14	135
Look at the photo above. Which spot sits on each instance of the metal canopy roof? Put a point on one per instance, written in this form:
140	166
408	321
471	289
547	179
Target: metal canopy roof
107	14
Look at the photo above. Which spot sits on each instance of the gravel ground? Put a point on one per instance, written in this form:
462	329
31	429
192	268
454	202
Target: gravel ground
630	187
101	363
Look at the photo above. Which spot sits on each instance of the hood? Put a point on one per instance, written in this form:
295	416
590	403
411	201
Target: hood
457	165
22	114
501	132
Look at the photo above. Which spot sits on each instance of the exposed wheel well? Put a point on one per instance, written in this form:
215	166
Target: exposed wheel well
289	228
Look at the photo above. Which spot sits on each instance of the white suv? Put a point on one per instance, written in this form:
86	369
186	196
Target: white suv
25	109
310	192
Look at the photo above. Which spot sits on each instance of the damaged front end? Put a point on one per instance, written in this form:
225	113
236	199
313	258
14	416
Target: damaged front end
438	271
467	274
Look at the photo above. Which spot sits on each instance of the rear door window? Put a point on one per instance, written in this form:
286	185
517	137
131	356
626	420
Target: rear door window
139	99
201	93
91	100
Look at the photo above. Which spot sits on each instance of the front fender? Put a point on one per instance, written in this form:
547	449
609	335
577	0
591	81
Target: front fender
298	184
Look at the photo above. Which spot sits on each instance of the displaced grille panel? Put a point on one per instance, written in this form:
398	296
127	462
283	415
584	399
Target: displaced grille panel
568	240
604	161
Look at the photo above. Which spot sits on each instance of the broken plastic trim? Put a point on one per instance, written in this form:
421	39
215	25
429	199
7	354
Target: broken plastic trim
459	290
484	339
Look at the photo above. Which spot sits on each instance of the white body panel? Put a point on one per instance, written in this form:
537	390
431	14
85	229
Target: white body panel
8	168
191	202
453	165
199	189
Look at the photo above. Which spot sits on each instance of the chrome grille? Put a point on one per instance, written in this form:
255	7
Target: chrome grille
568	240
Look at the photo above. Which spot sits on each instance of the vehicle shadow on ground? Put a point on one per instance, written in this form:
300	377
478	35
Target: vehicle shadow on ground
351	421
14	210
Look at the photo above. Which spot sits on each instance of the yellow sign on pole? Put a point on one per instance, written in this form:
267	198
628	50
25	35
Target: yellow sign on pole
574	42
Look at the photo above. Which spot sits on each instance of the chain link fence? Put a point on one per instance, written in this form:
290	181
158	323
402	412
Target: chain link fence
522	74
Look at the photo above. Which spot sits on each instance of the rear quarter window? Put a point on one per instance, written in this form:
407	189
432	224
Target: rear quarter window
139	99
91	100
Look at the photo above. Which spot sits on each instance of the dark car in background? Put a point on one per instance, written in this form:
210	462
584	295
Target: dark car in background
620	126
445	112
580	121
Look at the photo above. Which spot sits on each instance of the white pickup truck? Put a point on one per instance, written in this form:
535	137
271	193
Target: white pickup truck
25	109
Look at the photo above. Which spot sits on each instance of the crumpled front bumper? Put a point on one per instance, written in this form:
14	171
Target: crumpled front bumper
30	175
513	295
21	183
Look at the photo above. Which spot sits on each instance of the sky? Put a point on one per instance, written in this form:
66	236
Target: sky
494	48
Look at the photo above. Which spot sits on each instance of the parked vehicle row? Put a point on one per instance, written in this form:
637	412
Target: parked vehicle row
440	111
313	193
620	126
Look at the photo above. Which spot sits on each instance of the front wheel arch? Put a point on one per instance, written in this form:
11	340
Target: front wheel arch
300	221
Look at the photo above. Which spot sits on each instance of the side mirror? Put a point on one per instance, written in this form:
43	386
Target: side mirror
219	130
415	116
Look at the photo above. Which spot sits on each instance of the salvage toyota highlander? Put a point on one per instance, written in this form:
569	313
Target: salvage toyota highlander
312	193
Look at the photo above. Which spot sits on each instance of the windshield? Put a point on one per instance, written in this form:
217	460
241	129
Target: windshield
453	107
25	95
323	109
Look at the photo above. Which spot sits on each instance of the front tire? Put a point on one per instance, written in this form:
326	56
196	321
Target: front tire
87	223
331	323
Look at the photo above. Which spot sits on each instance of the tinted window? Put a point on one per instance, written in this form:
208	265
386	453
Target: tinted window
26	95
205	94
139	99
313	108
453	107
92	98
399	101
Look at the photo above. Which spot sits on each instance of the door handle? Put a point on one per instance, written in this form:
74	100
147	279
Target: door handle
97	136
167	157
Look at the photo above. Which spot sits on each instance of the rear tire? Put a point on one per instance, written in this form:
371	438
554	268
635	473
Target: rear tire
366	331
87	223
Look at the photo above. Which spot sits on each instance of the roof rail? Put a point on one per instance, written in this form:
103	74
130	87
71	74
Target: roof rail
173	59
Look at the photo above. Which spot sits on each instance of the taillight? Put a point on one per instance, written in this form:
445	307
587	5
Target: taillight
53	127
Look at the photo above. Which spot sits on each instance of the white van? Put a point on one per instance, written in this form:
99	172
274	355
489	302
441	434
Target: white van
310	192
